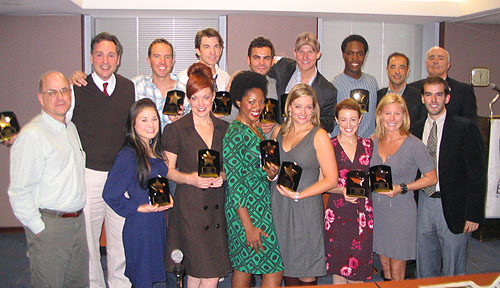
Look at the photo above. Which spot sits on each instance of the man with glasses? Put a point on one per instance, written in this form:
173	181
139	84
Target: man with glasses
47	189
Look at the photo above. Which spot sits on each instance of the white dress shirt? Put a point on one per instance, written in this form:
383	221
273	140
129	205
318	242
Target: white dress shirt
47	164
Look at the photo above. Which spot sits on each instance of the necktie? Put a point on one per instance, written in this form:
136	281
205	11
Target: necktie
215	83
105	85
432	148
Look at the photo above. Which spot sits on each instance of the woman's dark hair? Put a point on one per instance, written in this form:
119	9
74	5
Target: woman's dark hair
200	77
133	141
245	81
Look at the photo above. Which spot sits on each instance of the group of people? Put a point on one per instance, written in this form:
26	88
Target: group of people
96	144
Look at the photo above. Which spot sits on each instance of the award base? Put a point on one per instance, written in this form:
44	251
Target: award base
357	192
381	187
209	172
162	200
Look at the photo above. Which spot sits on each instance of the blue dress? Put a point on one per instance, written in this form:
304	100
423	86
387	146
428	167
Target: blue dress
144	234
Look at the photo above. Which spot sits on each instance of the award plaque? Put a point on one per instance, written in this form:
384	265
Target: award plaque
173	103
290	175
270	112
159	193
269	152
283	102
222	104
208	163
8	125
362	97
357	184
381	178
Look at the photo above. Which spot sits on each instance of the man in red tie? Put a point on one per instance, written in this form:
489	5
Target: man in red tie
100	113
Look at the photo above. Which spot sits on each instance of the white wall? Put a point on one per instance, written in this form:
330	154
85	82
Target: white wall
383	39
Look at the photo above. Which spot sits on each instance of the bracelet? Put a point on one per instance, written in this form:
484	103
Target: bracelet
296	198
274	179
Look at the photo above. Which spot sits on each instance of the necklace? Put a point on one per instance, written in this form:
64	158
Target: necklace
252	127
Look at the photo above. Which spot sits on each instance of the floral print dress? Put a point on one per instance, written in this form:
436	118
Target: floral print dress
349	227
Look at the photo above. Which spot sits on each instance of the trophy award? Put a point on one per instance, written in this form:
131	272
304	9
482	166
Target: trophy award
289	176
222	104
357	184
270	112
8	125
283	102
208	163
269	152
159	193
362	97
381	178
174	102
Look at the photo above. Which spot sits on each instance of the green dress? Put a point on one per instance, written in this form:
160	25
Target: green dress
248	187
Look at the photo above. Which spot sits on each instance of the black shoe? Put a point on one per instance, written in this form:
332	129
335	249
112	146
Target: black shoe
253	282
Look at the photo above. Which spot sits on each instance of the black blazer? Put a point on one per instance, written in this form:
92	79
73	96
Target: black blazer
325	91
462	171
413	100
462	98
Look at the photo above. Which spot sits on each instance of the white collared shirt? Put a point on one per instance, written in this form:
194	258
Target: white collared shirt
47	165
425	136
99	83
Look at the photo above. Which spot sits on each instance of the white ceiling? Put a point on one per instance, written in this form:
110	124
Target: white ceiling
405	11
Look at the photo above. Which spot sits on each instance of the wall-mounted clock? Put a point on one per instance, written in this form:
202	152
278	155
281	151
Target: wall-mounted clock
480	76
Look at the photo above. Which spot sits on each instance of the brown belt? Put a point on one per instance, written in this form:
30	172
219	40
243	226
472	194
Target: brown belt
58	214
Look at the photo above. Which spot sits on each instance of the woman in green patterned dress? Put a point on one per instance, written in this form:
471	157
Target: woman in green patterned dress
253	246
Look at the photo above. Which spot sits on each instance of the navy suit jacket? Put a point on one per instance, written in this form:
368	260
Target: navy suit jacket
462	98
413	100
325	91
462	171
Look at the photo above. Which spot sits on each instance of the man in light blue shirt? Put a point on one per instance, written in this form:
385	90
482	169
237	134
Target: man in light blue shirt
354	49
155	86
47	190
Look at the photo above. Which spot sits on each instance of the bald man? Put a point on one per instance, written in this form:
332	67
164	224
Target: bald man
462	98
47	189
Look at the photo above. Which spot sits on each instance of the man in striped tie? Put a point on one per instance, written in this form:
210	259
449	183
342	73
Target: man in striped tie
449	211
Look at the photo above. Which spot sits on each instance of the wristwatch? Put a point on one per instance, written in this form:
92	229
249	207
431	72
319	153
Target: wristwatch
404	188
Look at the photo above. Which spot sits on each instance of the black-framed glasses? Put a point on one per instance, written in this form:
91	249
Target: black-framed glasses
53	92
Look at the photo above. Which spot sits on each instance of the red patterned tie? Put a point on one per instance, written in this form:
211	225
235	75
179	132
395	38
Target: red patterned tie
105	85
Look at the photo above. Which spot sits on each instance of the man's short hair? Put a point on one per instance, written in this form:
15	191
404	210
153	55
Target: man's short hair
260	42
354	37
307	38
158	41
435	80
208	32
398	54
105	36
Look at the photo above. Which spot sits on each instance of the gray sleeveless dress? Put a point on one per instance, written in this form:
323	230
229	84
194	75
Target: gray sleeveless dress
299	226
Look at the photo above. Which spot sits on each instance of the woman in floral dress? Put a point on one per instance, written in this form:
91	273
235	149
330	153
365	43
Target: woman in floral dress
349	220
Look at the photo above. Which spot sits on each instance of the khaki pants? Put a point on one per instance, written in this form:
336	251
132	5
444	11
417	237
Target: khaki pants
59	255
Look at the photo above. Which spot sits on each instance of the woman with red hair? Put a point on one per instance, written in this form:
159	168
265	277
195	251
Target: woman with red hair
197	223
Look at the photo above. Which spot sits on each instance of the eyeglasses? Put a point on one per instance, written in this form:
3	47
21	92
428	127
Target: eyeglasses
53	92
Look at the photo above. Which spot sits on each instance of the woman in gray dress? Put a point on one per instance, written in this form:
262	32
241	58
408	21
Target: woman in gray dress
298	216
395	212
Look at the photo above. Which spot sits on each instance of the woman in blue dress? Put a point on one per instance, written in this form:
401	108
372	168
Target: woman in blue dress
144	232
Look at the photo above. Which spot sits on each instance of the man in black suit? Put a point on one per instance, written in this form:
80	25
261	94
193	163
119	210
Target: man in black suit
462	97
450	211
398	66
289	72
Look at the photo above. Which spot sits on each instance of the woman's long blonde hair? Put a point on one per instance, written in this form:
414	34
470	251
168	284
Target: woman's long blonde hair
386	100
298	91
